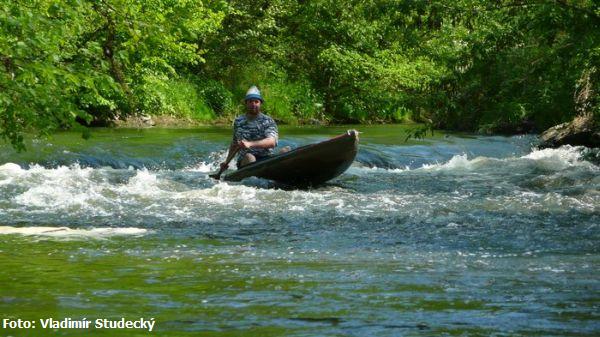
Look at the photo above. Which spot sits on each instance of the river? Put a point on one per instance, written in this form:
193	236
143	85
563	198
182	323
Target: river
450	235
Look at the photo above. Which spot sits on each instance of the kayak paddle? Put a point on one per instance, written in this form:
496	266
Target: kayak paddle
222	169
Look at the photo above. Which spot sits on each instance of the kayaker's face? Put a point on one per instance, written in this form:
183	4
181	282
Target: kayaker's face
253	106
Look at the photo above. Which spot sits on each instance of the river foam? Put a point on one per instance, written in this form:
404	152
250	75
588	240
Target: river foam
452	232
547	159
539	181
67	232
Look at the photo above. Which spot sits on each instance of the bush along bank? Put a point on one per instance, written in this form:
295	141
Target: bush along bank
463	65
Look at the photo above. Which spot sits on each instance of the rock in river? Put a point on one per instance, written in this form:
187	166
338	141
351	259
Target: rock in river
583	130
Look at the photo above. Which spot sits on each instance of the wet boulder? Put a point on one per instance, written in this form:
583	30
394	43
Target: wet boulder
583	130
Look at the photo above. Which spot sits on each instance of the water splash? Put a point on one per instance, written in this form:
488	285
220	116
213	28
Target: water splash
453	231
65	232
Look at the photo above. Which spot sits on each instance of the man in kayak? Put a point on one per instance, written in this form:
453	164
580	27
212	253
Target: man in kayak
254	133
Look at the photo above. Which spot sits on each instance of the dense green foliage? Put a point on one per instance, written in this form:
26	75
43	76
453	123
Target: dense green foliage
500	65
95	60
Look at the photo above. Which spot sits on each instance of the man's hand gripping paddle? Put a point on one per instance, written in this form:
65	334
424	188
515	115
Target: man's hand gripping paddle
224	166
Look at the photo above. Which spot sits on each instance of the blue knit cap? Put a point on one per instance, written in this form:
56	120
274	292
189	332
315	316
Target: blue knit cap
254	93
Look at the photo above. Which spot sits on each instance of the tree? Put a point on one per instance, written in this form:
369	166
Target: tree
86	60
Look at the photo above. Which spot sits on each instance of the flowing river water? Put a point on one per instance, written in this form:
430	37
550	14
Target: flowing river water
451	235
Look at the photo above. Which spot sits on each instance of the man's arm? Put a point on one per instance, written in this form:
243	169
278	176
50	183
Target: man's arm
233	147
267	143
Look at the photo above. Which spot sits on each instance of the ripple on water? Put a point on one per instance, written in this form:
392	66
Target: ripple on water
480	235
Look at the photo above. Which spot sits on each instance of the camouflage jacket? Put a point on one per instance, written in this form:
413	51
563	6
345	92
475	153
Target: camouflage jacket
258	128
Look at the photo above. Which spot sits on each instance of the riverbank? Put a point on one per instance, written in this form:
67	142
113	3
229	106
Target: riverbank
579	132
149	121
173	121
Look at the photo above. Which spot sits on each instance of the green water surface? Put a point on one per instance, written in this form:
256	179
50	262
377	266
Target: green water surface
454	235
